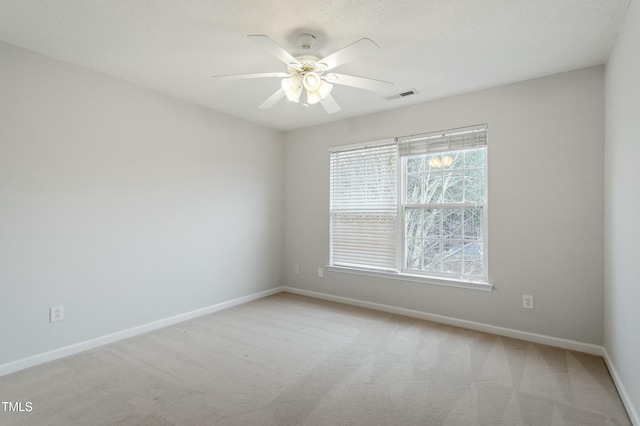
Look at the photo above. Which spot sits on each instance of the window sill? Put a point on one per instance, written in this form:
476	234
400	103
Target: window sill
448	282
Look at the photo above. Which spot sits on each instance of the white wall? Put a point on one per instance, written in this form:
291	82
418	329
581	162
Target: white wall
124	205
545	206
622	210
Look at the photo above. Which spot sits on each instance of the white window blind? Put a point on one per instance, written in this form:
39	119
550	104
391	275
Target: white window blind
451	140
363	206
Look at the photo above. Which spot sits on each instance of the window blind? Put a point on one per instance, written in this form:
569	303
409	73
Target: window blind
363	206
449	140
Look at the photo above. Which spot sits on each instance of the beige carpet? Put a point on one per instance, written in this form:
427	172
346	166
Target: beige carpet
292	360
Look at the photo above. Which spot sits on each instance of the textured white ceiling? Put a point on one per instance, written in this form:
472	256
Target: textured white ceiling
439	47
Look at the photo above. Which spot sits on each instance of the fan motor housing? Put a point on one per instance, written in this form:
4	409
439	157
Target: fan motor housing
308	63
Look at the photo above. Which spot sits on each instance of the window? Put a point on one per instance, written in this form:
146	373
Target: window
414	206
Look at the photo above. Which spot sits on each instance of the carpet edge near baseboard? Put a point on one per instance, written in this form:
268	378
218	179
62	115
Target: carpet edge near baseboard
41	358
632	411
472	325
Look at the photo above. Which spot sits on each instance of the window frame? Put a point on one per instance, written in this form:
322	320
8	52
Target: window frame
428	277
403	204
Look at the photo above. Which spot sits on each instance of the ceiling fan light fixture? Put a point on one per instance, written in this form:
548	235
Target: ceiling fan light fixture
315	96
311	81
292	88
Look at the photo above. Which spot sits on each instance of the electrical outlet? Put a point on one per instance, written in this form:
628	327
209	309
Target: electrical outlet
320	272
527	301
56	313
296	269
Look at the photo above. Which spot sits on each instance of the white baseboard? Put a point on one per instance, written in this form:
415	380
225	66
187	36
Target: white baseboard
501	331
624	396
34	360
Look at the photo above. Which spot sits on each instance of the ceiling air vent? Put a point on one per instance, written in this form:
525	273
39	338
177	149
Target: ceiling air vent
402	95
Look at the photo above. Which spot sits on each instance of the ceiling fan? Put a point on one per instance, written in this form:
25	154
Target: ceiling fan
308	74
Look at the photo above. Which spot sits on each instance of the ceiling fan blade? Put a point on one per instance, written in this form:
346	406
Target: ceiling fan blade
357	50
273	48
273	99
256	75
359	82
329	104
